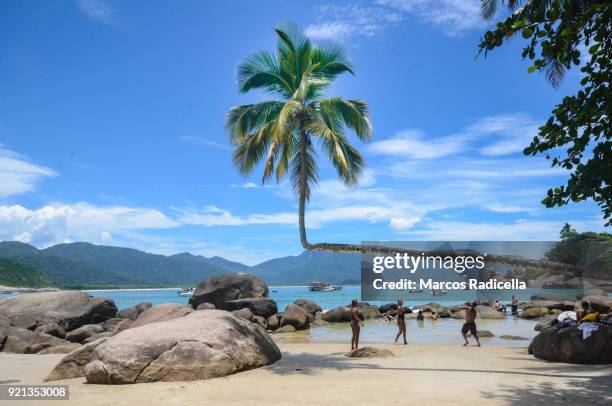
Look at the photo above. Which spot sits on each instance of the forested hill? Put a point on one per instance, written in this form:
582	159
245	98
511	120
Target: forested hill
88	265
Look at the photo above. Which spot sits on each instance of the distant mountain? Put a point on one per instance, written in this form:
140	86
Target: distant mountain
310	266
15	274
89	265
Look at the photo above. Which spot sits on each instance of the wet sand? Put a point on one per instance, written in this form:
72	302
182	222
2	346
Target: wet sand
319	374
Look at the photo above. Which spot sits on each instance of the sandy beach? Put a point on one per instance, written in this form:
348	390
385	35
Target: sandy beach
319	373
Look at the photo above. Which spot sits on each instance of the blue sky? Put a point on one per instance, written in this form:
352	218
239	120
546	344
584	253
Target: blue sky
111	128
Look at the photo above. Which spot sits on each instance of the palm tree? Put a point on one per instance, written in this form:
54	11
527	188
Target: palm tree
283	132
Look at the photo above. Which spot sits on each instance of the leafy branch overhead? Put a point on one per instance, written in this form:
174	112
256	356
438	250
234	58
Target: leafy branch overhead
561	34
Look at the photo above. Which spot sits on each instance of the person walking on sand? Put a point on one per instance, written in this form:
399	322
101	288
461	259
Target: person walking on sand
355	324
470	324
401	322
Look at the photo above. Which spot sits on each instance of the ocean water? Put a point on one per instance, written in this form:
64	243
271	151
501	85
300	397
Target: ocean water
284	295
441	332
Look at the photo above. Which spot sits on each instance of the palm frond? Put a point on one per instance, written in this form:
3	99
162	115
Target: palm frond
488	8
263	71
353	113
555	71
246	119
251	149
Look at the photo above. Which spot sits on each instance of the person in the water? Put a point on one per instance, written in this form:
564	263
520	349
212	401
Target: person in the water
401	322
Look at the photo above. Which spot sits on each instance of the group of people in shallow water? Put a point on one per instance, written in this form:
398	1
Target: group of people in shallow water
585	314
356	322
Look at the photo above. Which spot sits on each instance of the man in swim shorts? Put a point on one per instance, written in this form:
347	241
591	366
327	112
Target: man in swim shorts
470	324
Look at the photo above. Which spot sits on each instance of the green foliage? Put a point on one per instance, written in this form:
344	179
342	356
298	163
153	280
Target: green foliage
280	133
89	266
591	250
17	275
561	34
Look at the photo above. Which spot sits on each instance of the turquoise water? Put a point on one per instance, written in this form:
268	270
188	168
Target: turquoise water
441	332
284	295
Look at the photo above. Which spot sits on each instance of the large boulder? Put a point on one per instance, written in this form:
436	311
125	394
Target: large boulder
273	322
544	323
245	314
429	307
23	341
220	289
285	329
206	306
567	345
133	312
369	352
368	311
337	315
308	305
549	304
534	312
83	332
60	349
70	309
200	345
482	312
295	316
53	329
4	320
110	324
387	307
71	366
163	312
602	304
261	306
96	337
123	325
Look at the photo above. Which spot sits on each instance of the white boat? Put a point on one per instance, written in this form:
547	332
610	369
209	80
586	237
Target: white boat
416	290
438	292
323	287
186	291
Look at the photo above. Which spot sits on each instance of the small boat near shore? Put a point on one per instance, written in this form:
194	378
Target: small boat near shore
438	292
186	292
317	286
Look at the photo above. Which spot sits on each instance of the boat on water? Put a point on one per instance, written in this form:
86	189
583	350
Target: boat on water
186	291
438	292
416	290
323	287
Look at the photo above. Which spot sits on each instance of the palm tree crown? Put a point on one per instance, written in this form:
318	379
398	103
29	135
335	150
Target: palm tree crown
281	132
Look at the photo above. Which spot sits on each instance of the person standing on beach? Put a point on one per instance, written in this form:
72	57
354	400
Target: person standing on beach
355	324
401	322
470	324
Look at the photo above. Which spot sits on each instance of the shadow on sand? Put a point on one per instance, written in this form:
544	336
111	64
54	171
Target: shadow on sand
580	387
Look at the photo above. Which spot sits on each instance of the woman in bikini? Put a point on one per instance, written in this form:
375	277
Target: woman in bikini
401	323
355	324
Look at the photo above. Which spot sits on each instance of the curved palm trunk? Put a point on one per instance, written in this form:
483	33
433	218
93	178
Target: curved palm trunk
374	249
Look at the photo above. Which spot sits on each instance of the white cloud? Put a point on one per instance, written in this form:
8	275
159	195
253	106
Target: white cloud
499	135
453	17
202	142
53	224
340	21
97	10
17	175
520	230
413	144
